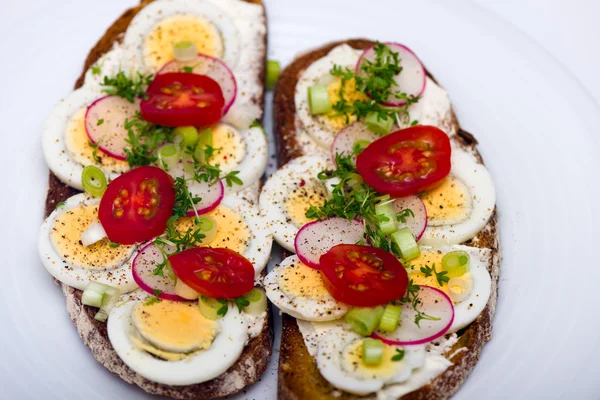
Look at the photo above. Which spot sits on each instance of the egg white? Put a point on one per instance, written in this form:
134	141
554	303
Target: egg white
153	13
200	367
301	307
260	242
331	364
119	276
278	188
109	64
54	147
478	180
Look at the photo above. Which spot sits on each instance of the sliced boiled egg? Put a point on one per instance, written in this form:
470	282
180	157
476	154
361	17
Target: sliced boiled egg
470	292
158	26
299	291
241	228
289	193
461	206
66	144
339	359
172	343
109	64
433	108
72	263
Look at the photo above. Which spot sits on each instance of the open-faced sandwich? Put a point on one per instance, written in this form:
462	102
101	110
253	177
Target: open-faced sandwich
390	211
161	257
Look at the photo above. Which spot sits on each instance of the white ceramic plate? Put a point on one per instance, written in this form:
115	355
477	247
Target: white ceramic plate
538	132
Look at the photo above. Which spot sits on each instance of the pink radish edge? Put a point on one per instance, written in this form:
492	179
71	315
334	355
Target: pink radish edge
219	62
400	103
210	207
427	339
147	288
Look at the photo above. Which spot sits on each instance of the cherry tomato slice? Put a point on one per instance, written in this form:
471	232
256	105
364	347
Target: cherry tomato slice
137	205
183	99
363	276
406	162
214	272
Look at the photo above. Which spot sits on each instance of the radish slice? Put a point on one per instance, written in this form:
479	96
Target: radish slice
143	268
410	81
211	67
316	238
432	302
344	141
416	224
105	124
211	196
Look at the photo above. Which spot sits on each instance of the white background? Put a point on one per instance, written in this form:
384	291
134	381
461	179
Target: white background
545	339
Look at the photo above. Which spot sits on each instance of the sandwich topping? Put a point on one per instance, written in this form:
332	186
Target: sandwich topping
381	283
164	141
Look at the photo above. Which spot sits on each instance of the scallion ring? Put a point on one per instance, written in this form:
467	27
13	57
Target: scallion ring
273	71
168	155
459	289
457	263
318	99
386	217
185	51
372	351
382	125
209	307
93	181
390	318
364	320
406	244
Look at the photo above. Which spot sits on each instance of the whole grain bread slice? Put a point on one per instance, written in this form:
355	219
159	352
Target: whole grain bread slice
254	359
299	377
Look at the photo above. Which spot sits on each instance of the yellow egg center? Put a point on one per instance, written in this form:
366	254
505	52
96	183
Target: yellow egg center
449	203
350	94
78	145
174	326
298	280
307	193
65	237
158	46
233	232
229	146
352	361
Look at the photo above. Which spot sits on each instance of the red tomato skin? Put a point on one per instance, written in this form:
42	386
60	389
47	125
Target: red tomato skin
132	228
377	155
237	271
169	110
376	290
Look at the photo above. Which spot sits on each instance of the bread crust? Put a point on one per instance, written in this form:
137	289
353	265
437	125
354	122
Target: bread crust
299	377
254	359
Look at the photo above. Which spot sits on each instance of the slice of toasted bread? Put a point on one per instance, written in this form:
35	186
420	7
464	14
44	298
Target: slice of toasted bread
253	361
299	377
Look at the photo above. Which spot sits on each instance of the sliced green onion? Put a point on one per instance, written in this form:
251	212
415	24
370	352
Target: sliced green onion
364	320
185	51
204	139
390	318
189	165
354	181
372	351
94	294
457	263
258	302
209	307
208	226
93	181
378	125
360	145
405	241
168	155
273	70
459	289
318	99
189	136
111	297
386	217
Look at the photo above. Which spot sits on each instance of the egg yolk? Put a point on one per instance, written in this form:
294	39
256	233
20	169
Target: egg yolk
173	326
449	203
298	280
158	46
350	96
229	146
306	193
429	259
65	237
352	361
232	230
77	143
